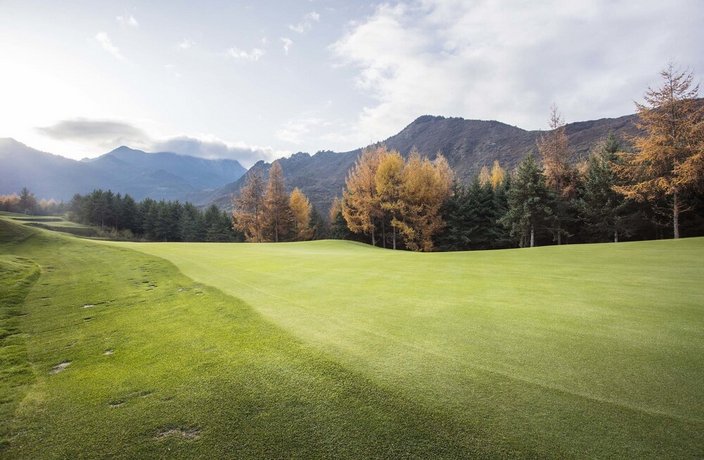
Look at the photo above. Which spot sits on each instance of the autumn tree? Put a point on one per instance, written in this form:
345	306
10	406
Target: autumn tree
426	186
247	216
560	176
529	202
497	176
484	176
360	205
277	212
301	211
389	180
669	158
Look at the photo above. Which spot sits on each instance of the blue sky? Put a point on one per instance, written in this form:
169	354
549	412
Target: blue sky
263	79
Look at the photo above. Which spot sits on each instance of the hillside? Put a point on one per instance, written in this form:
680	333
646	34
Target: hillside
467	144
162	175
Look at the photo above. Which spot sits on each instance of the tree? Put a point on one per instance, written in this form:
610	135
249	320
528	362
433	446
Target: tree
560	176
247	216
277	212
528	202
498	175
669	156
426	186
389	186
484	176
360	205
601	208
28	201
301	210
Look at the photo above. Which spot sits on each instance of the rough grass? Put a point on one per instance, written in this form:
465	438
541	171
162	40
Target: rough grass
334	349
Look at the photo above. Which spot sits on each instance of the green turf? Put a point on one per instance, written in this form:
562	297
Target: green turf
335	349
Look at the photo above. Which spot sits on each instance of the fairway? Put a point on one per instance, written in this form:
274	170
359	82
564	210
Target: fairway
337	349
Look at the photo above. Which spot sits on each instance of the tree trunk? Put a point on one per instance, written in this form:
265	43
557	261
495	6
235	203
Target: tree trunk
559	235
676	216
532	236
615	236
394	237
383	233
373	238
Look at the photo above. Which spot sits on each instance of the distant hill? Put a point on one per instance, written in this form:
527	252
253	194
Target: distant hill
467	144
162	175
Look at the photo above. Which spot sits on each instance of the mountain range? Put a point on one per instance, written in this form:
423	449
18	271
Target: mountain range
162	175
467	144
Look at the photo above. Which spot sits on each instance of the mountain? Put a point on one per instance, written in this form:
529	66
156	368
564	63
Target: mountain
162	175
467	144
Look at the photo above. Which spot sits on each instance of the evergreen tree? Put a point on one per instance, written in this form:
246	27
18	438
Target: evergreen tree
529	202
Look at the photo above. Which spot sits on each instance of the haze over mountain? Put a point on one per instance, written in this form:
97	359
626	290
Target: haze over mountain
467	144
162	175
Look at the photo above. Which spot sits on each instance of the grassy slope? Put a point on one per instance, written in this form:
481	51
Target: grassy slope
589	350
184	357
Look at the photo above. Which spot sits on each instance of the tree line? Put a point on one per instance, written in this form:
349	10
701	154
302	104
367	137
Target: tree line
616	194
265	212
150	219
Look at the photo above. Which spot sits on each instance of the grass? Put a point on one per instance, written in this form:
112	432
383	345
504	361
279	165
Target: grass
336	349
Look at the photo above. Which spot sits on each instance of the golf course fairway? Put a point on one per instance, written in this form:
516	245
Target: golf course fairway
340	350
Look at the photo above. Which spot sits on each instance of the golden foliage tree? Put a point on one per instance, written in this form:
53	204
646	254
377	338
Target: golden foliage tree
277	212
498	175
389	187
247	216
560	175
301	211
484	176
360	205
426	186
669	156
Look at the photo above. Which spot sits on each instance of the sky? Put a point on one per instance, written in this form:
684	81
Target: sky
255	80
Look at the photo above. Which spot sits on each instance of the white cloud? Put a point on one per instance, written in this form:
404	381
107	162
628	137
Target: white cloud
253	55
108	46
486	60
186	44
306	23
127	21
211	147
287	44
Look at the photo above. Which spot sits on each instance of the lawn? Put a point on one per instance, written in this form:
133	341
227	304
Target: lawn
336	349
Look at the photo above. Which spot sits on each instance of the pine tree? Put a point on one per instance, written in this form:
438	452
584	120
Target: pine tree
602	209
529	202
670	155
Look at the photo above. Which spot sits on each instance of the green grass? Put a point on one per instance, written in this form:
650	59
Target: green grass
336	349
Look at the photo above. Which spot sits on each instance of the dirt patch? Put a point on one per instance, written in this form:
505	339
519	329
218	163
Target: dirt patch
182	433
116	404
89	305
108	352
59	367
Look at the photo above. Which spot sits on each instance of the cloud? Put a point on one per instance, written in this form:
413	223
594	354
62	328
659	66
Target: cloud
108	46
127	21
287	44
215	148
306	23
102	132
186	44
485	60
253	55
